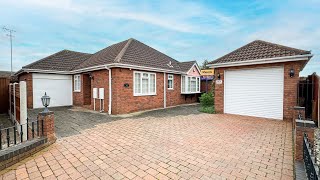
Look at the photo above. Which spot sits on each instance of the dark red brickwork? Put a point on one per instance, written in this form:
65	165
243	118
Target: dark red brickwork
290	86
28	78
123	100
174	97
47	118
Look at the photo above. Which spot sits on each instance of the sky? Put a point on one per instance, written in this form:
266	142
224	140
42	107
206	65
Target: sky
185	30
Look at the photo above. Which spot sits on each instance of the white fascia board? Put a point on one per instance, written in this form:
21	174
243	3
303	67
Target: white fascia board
45	71
94	68
263	61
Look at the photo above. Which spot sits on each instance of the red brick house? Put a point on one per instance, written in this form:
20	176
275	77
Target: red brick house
259	79
125	77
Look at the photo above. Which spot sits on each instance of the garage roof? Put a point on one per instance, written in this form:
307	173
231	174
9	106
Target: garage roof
259	49
64	60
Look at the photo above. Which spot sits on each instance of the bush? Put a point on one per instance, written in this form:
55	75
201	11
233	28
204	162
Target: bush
207	103
207	109
206	99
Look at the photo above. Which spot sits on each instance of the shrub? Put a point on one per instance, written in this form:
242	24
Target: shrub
206	99
207	109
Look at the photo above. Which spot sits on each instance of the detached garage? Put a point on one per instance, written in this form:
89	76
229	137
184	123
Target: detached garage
259	79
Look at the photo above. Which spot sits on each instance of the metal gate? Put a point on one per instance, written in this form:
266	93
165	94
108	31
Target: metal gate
308	96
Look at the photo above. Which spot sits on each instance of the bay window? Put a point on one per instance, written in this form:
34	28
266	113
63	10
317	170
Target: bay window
190	84
144	83
77	83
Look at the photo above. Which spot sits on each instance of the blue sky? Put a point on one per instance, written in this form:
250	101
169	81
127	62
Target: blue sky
184	30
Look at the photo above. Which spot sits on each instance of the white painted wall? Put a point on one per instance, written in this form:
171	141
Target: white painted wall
58	87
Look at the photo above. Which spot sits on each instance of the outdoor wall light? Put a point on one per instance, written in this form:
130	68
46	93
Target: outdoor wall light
291	73
218	76
91	76
45	102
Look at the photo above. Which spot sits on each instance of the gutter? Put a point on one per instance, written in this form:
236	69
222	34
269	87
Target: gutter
305	57
94	68
110	89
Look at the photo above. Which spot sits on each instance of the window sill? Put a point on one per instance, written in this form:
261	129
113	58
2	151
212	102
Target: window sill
76	91
144	94
190	92
170	89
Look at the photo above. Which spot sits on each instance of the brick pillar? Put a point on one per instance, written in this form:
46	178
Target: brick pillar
48	127
300	129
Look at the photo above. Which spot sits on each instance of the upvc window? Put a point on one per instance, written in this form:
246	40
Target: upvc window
170	81
144	83
190	84
77	83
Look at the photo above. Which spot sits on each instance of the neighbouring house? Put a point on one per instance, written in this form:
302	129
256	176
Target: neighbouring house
125	77
259	79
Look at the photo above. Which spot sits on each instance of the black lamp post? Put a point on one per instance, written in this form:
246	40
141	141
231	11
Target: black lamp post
45	102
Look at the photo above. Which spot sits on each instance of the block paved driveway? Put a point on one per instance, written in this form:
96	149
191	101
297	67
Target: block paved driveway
196	146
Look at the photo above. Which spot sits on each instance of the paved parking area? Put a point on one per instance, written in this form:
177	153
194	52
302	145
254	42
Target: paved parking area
71	121
196	146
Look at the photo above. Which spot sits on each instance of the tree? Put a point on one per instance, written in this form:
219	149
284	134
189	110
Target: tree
205	64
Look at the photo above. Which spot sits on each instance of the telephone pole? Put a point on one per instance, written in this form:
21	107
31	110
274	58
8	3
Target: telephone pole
10	31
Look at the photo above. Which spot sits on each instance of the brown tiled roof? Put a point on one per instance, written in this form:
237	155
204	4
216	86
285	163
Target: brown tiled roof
186	66
128	52
64	60
259	49
131	52
104	56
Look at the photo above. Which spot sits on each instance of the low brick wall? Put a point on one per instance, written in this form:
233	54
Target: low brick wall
17	153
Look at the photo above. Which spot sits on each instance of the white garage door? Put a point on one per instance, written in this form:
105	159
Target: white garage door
58	87
254	92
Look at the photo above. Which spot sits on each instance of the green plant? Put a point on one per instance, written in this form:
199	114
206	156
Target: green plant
207	109
207	103
206	99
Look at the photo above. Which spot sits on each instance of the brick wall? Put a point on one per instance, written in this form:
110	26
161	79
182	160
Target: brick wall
290	86
174	97
28	78
100	80
123	100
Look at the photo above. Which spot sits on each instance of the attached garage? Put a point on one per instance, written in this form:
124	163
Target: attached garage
254	92
58	87
259	79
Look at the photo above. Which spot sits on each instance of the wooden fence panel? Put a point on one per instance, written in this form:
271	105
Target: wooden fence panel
4	95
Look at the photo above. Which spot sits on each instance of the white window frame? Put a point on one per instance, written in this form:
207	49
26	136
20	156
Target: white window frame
77	83
149	87
187	84
170	78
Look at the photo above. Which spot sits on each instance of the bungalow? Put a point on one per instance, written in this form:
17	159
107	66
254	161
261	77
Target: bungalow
259	79
125	77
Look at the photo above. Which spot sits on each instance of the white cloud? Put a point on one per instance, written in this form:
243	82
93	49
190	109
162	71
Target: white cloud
186	17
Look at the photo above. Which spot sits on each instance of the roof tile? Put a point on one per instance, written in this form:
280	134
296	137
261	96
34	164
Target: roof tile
259	49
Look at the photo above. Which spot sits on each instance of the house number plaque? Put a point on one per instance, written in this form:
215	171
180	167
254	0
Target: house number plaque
218	81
